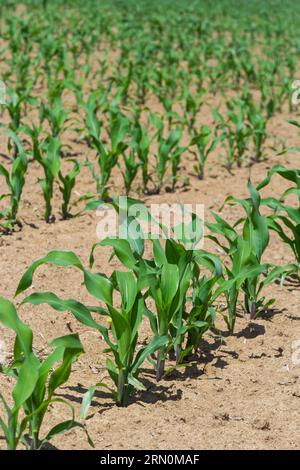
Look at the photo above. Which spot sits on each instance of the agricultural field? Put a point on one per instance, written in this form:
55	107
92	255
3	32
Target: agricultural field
185	340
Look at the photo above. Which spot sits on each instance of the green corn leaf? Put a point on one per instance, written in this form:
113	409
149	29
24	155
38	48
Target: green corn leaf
286	173
279	271
62	373
64	427
122	332
80	311
58	258
99	286
137	384
121	248
27	379
128	289
158	252
10	319
88	396
169	282
113	371
156	343
86	401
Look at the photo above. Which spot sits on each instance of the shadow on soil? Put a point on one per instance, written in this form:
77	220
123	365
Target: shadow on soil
253	330
209	353
291	282
270	313
79	391
156	391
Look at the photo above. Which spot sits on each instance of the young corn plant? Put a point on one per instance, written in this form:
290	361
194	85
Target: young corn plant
192	105
125	324
56	115
168	151
202	316
15	180
205	290
141	142
239	128
285	220
226	137
168	290
14	106
259	132
131	169
107	158
16	102
175	162
258	124
234	131
34	132
166	92
162	283
183	319
50	160
125	321
245	253
67	183
36	383
205	141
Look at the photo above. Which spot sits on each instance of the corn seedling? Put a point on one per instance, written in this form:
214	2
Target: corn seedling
168	151
34	132
15	180
205	142
56	115
258	123
107	159
239	128
141	142
14	106
192	106
36	384
285	220
49	158
245	253
67	183
177	270
130	170
125	326
125	321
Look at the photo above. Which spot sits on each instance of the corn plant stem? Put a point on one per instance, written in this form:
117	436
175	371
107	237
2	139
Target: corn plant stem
160	364
122	380
177	353
34	430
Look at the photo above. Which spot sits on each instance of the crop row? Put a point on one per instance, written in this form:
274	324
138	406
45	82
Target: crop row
94	82
142	88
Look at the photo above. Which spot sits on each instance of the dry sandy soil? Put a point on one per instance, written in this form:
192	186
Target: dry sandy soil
241	392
